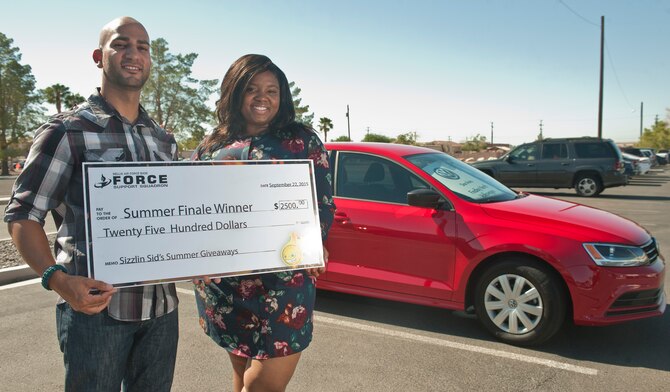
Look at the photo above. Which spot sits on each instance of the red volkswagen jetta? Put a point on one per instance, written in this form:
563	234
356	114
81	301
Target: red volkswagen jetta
416	225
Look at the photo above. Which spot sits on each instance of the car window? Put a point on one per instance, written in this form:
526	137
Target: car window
593	150
527	152
554	151
462	179
369	177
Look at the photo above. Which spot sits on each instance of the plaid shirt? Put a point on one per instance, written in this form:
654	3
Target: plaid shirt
52	180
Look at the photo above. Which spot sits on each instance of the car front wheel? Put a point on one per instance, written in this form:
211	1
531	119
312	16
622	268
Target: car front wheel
519	302
588	185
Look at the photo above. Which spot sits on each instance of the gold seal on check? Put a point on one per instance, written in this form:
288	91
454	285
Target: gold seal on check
291	254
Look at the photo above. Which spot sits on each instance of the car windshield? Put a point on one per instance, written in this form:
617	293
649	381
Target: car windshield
462	179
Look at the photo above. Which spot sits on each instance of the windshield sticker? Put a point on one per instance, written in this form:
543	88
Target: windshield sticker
446	173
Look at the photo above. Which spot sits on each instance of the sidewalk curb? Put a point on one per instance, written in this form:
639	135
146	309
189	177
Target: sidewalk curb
16	274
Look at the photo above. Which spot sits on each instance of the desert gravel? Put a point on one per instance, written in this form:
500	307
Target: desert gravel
9	256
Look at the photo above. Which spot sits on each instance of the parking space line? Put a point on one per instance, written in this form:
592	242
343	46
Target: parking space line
446	343
20	284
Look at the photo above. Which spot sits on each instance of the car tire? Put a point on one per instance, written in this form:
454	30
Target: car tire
588	185
520	302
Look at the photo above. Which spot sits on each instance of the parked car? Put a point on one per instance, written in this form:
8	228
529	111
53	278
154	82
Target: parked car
660	159
641	152
662	155
628	168
651	154
417	225
587	164
641	165
18	165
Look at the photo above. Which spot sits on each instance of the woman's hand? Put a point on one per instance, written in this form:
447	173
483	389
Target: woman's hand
207	280
315	272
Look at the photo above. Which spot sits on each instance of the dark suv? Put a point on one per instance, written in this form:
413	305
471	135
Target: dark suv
587	164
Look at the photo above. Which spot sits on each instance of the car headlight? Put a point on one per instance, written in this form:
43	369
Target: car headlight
609	255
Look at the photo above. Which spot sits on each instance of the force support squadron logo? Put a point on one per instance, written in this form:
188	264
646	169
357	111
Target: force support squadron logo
103	182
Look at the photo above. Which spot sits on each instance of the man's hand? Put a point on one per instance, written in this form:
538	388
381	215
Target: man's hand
31	241
83	294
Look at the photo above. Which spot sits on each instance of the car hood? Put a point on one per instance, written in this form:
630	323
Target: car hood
583	222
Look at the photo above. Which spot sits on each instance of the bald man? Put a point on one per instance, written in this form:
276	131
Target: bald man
110	339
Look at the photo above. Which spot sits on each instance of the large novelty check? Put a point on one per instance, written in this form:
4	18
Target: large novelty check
153	222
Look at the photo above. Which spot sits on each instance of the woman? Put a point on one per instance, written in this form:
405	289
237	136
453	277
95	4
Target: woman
263	321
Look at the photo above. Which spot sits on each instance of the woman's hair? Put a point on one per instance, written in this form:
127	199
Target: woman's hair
228	108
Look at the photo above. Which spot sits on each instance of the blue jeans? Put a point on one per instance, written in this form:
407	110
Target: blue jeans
103	354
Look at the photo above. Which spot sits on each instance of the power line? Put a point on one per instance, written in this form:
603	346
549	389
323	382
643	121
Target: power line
609	55
616	77
577	14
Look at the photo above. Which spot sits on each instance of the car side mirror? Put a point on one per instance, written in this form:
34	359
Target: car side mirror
426	198
508	158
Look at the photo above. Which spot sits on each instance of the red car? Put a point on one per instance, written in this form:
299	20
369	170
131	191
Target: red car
416	225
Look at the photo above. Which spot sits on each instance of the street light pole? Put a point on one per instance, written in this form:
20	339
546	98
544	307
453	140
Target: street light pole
600	100
491	132
641	111
348	126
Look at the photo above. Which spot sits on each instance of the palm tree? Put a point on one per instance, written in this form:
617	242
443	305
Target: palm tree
55	94
72	100
325	125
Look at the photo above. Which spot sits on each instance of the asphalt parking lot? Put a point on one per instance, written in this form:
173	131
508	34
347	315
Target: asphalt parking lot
363	344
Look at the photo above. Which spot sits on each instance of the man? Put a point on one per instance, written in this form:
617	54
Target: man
109	338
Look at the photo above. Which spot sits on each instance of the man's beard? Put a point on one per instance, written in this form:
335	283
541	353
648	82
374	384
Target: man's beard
131	83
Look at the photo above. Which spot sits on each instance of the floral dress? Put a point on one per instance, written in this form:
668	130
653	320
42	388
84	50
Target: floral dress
267	315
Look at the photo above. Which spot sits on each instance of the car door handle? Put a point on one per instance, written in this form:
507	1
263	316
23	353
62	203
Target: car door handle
341	217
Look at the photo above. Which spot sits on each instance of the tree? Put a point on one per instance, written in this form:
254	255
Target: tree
55	95
325	125
375	137
176	100
72	100
406	138
60	96
19	110
477	143
192	142
301	114
342	139
657	137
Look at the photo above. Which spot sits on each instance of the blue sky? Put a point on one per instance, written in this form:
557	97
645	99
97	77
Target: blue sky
442	69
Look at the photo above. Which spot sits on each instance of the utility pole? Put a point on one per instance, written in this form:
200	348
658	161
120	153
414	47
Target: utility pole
367	130
491	132
541	137
641	112
600	100
348	126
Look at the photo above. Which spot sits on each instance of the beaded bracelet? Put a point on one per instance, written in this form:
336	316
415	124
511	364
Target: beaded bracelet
46	275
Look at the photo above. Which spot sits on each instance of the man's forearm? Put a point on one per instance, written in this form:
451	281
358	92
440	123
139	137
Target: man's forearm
32	243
